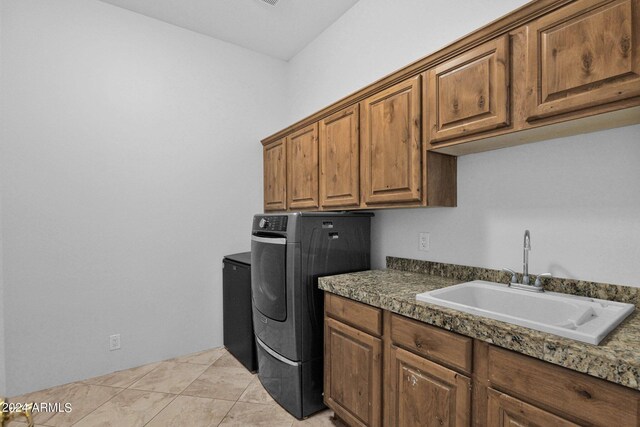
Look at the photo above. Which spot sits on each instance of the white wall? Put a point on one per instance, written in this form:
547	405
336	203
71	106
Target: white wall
579	196
3	377
130	165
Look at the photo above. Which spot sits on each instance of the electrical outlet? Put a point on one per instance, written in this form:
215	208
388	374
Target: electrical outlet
424	242
114	342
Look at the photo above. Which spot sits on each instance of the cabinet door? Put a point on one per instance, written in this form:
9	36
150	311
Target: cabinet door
469	93
584	54
275	176
352	374
391	144
506	411
424	393
302	168
340	159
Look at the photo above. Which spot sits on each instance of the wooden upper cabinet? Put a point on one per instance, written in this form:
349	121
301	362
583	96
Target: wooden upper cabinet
425	393
275	176
390	130
583	55
302	168
340	159
506	411
469	93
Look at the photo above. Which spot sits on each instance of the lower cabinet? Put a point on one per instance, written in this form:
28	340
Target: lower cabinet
353	373
425	393
385	369
506	411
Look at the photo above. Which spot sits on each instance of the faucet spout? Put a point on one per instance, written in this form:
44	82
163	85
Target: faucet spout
525	256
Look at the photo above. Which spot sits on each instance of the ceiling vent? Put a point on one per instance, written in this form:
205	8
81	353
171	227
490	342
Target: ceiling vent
271	2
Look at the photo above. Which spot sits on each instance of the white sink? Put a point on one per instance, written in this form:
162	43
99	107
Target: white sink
584	319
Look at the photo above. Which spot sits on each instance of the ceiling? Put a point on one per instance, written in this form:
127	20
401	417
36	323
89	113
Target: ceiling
279	31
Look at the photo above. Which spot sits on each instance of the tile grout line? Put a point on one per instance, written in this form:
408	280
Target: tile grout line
163	408
130	387
238	401
102	404
133	389
183	390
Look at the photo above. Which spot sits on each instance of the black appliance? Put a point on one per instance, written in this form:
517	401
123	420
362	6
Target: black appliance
288	254
236	309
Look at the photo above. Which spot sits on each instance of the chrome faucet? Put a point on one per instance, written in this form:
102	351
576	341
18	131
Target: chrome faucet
525	258
526	279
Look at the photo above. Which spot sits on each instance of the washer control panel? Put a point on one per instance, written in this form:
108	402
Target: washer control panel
272	223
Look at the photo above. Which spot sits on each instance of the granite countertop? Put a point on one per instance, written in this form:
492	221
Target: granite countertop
616	359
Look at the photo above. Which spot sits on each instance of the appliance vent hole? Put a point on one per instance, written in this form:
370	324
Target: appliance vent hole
271	2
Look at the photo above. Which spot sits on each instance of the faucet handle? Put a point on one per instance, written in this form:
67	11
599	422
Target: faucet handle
514	277
539	278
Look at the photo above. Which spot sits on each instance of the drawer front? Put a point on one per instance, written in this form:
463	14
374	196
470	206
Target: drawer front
356	314
592	400
445	347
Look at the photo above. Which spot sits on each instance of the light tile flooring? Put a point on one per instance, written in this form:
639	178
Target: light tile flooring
209	388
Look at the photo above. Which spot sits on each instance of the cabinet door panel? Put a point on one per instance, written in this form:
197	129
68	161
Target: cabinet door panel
302	168
506	411
469	94
563	390
583	55
275	176
340	159
352	377
425	393
391	144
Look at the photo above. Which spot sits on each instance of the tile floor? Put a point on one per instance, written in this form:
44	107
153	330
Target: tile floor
209	388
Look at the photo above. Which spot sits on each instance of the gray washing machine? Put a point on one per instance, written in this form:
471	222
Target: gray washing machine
288	254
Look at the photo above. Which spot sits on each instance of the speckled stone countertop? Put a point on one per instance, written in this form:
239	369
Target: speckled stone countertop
616	359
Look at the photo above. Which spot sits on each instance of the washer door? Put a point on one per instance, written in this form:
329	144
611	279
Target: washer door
268	276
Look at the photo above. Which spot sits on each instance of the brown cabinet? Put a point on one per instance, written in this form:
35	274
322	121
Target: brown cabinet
426	393
506	411
583	55
469	93
434	343
352	365
302	168
429	375
548	69
571	395
275	176
340	159
391	148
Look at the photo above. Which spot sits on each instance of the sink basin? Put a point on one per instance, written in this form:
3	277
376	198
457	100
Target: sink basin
584	319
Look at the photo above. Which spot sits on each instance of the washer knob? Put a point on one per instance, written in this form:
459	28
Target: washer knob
263	223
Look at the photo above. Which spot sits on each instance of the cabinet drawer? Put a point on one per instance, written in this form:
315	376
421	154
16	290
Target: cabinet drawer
357	314
595	401
445	347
